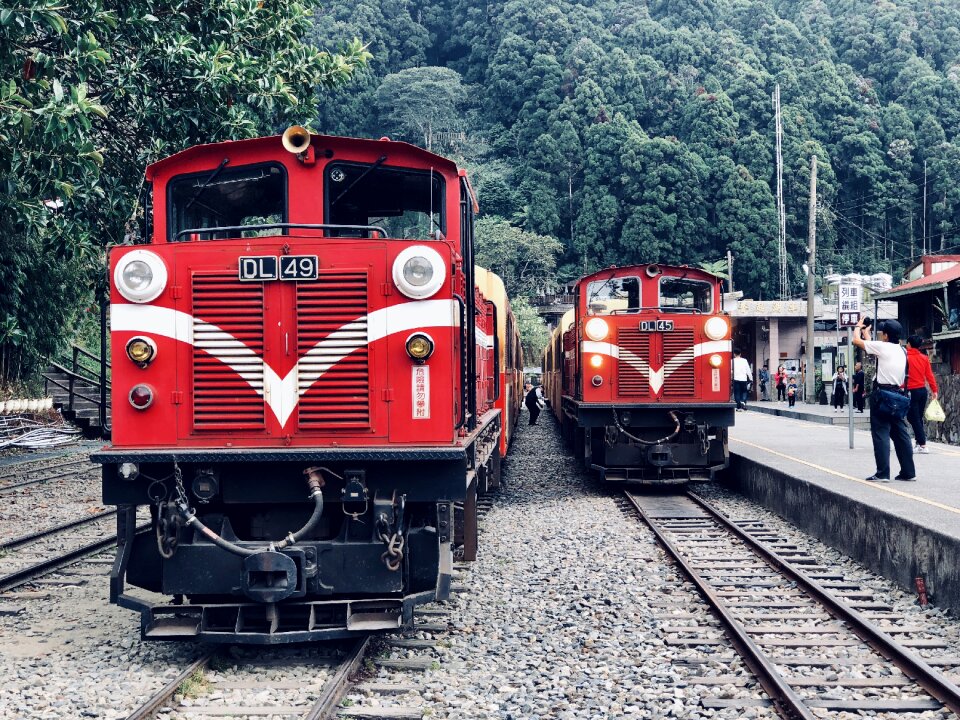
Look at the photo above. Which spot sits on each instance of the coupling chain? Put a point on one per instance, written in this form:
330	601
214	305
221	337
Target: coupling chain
393	555
704	440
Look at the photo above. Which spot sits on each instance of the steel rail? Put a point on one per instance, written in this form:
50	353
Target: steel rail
52	466
4	489
25	575
784	698
24	539
169	690
919	671
336	687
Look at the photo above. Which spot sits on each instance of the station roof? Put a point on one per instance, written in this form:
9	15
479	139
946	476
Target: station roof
937	281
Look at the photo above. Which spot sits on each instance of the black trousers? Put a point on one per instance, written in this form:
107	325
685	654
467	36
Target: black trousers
883	429
839	398
781	392
534	414
858	400
918	403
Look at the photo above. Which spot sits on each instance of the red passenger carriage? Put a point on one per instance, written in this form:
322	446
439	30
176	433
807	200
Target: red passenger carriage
300	345
638	374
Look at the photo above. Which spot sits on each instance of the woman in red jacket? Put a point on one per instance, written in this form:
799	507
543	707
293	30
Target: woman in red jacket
920	373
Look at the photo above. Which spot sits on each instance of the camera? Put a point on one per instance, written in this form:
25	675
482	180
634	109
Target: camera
867	321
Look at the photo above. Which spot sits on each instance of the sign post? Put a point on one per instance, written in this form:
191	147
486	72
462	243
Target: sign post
848	315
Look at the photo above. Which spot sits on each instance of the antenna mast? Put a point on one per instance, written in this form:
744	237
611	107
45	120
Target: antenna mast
781	210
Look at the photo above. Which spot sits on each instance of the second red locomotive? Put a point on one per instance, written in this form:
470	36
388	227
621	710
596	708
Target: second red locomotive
638	374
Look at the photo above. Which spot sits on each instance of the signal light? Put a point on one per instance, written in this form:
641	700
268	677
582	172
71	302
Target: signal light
716	360
596	361
141	396
141	350
419	347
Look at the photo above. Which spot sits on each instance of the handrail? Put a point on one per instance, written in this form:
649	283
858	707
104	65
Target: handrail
89	378
79	350
72	392
277	226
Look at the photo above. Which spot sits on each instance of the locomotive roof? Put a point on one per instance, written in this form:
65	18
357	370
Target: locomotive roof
640	270
319	142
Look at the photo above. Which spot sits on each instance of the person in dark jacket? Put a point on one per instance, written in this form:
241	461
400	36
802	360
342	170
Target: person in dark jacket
858	391
920	375
532	402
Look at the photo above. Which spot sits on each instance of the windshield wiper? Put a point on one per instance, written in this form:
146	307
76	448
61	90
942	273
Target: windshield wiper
593	295
210	179
380	161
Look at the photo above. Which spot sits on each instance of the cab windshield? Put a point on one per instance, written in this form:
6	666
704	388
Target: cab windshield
683	295
406	203
613	295
227	197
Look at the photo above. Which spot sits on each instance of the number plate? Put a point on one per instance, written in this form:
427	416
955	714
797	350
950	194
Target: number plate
656	325
260	268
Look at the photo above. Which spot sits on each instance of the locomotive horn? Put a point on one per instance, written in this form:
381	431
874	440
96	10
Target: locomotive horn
653	271
296	139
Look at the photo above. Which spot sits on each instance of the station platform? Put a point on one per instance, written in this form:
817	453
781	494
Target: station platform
824	414
805	471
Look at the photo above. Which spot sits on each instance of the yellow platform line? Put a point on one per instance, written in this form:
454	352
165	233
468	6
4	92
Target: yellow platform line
876	486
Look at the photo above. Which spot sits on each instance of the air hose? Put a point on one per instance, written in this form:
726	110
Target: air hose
314	481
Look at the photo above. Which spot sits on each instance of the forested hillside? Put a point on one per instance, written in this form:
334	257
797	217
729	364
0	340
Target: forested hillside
638	131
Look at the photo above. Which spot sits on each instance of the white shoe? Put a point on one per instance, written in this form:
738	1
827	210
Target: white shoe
922	449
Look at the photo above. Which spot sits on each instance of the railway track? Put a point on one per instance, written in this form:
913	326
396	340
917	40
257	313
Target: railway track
817	643
34	562
27	467
360	679
73	470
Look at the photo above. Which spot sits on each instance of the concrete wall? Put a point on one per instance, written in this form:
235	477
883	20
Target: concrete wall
895	548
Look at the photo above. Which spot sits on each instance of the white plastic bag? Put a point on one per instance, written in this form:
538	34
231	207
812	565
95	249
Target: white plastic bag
934	412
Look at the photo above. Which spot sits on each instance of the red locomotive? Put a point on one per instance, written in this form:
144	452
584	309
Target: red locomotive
310	388
638	374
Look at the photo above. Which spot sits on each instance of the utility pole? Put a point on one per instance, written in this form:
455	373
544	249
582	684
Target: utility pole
781	209
923	241
810	386
729	272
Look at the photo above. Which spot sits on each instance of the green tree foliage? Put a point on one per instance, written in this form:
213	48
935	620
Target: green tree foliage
534	334
419	102
93	91
524	260
639	132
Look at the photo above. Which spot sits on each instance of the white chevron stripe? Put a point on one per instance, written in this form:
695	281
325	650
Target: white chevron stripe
281	394
656	377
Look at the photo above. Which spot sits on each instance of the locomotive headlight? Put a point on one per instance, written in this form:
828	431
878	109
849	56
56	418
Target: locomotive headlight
716	328
419	347
140	276
716	360
141	350
596	329
419	271
596	361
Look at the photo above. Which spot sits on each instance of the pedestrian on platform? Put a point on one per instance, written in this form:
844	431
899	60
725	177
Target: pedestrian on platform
919	376
857	389
764	382
742	374
532	402
891	375
839	389
781	380
792	391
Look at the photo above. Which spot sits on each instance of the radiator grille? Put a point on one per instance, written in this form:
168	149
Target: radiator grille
635	346
334	378
678	358
228	323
